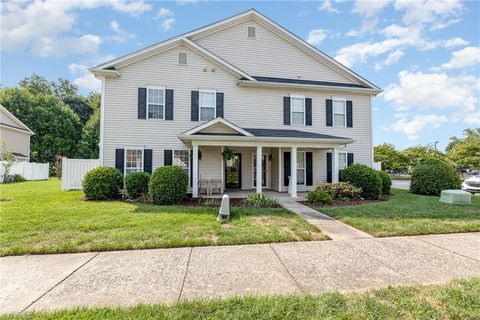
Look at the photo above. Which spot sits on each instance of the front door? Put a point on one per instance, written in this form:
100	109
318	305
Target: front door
264	170
233	172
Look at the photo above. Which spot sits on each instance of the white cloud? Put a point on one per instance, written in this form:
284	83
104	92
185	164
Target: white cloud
185	2
120	34
466	57
315	37
415	126
326	5
64	46
392	58
168	18
84	79
428	11
164	13
443	25
369	8
134	8
455	42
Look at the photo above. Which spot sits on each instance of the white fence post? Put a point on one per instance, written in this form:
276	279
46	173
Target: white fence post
73	171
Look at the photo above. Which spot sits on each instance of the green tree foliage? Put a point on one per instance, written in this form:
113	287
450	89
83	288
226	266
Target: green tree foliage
391	158
414	155
88	147
465	152
57	128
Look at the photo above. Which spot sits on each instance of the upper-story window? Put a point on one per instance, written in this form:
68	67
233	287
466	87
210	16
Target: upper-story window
208	103
182	58
339	113
251	32
297	104
133	160
155	103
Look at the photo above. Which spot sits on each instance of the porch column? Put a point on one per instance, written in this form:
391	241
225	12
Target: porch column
195	172
335	165
259	169
293	172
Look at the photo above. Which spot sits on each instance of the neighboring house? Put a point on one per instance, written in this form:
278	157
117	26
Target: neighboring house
291	114
15	134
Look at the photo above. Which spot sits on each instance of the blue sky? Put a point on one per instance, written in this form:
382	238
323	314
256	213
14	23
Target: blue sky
425	54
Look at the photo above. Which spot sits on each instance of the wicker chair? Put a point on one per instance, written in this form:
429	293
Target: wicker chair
216	185
204	185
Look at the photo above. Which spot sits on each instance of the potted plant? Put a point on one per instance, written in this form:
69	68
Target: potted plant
228	154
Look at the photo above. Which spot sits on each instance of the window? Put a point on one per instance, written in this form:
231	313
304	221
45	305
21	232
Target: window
339	113
155	103
251	32
297	105
207	105
301	168
133	160
342	161
182	58
181	158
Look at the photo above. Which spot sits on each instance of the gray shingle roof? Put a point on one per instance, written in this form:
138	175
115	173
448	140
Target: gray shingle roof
310	82
286	133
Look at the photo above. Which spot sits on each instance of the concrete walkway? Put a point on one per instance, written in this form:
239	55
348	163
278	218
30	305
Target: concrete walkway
335	229
48	282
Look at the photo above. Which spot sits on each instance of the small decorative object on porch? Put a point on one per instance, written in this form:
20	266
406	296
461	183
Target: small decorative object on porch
224	212
228	154
456	197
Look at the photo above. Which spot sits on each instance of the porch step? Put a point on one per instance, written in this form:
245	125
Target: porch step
334	229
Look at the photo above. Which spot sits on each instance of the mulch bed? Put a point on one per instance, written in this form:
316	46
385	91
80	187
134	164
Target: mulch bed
337	203
234	202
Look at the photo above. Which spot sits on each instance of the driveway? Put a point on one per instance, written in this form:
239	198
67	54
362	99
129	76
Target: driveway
401	184
48	282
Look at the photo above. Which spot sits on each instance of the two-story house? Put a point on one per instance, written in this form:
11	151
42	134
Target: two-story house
292	115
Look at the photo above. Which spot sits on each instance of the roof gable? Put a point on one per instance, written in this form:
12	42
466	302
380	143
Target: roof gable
9	120
218	126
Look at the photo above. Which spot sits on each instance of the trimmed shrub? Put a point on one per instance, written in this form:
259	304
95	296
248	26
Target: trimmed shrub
260	200
319	197
14	178
136	184
386	182
102	183
431	176
168	185
365	178
341	191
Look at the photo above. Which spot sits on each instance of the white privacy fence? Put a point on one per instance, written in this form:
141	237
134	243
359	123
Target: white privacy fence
28	170
377	166
73	171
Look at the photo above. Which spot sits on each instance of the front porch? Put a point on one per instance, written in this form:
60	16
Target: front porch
240	194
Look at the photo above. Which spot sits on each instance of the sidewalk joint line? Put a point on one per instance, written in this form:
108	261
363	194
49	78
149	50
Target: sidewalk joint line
456	253
185	276
302	290
58	283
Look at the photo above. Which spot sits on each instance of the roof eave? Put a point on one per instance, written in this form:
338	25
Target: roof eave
109	74
265	139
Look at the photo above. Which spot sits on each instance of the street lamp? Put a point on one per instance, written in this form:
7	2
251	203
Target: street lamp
436	145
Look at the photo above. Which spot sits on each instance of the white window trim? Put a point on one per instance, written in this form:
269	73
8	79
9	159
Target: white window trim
344	100
125	158
178	58
200	103
252	38
346	160
164	102
294	96
304	168
189	161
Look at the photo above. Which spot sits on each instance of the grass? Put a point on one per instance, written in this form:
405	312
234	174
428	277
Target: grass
37	217
410	214
458	299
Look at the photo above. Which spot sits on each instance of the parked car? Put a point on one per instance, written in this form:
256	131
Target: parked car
472	184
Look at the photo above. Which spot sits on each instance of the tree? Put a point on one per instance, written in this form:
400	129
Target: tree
57	128
465	152
7	158
390	158
414	155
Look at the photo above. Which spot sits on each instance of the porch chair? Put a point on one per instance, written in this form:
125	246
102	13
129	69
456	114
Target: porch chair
216	185
205	186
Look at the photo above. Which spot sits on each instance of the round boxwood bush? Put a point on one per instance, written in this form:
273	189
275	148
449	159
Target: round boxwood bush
386	182
136	184
319	197
431	176
102	183
365	178
168	185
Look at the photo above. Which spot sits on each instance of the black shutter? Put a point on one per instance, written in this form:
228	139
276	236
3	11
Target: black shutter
169	104
167	157
195	103
349	114
308	111
142	103
329	167
329	112
120	159
286	111
286	167
309	168
147	161
349	159
219	104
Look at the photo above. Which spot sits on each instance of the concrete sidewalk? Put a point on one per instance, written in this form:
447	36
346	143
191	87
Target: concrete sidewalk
48	282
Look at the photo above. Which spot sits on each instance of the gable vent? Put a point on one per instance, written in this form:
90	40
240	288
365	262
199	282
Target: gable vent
251	32
182	58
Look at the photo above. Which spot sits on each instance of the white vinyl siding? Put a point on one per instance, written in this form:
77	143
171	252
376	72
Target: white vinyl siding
301	172
342	160
208	102
155	103
133	160
297	107
181	158
339	112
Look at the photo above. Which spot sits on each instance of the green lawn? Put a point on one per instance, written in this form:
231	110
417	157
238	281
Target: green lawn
37	217
409	214
456	300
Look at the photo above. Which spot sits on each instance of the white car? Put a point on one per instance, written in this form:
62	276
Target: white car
472	185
